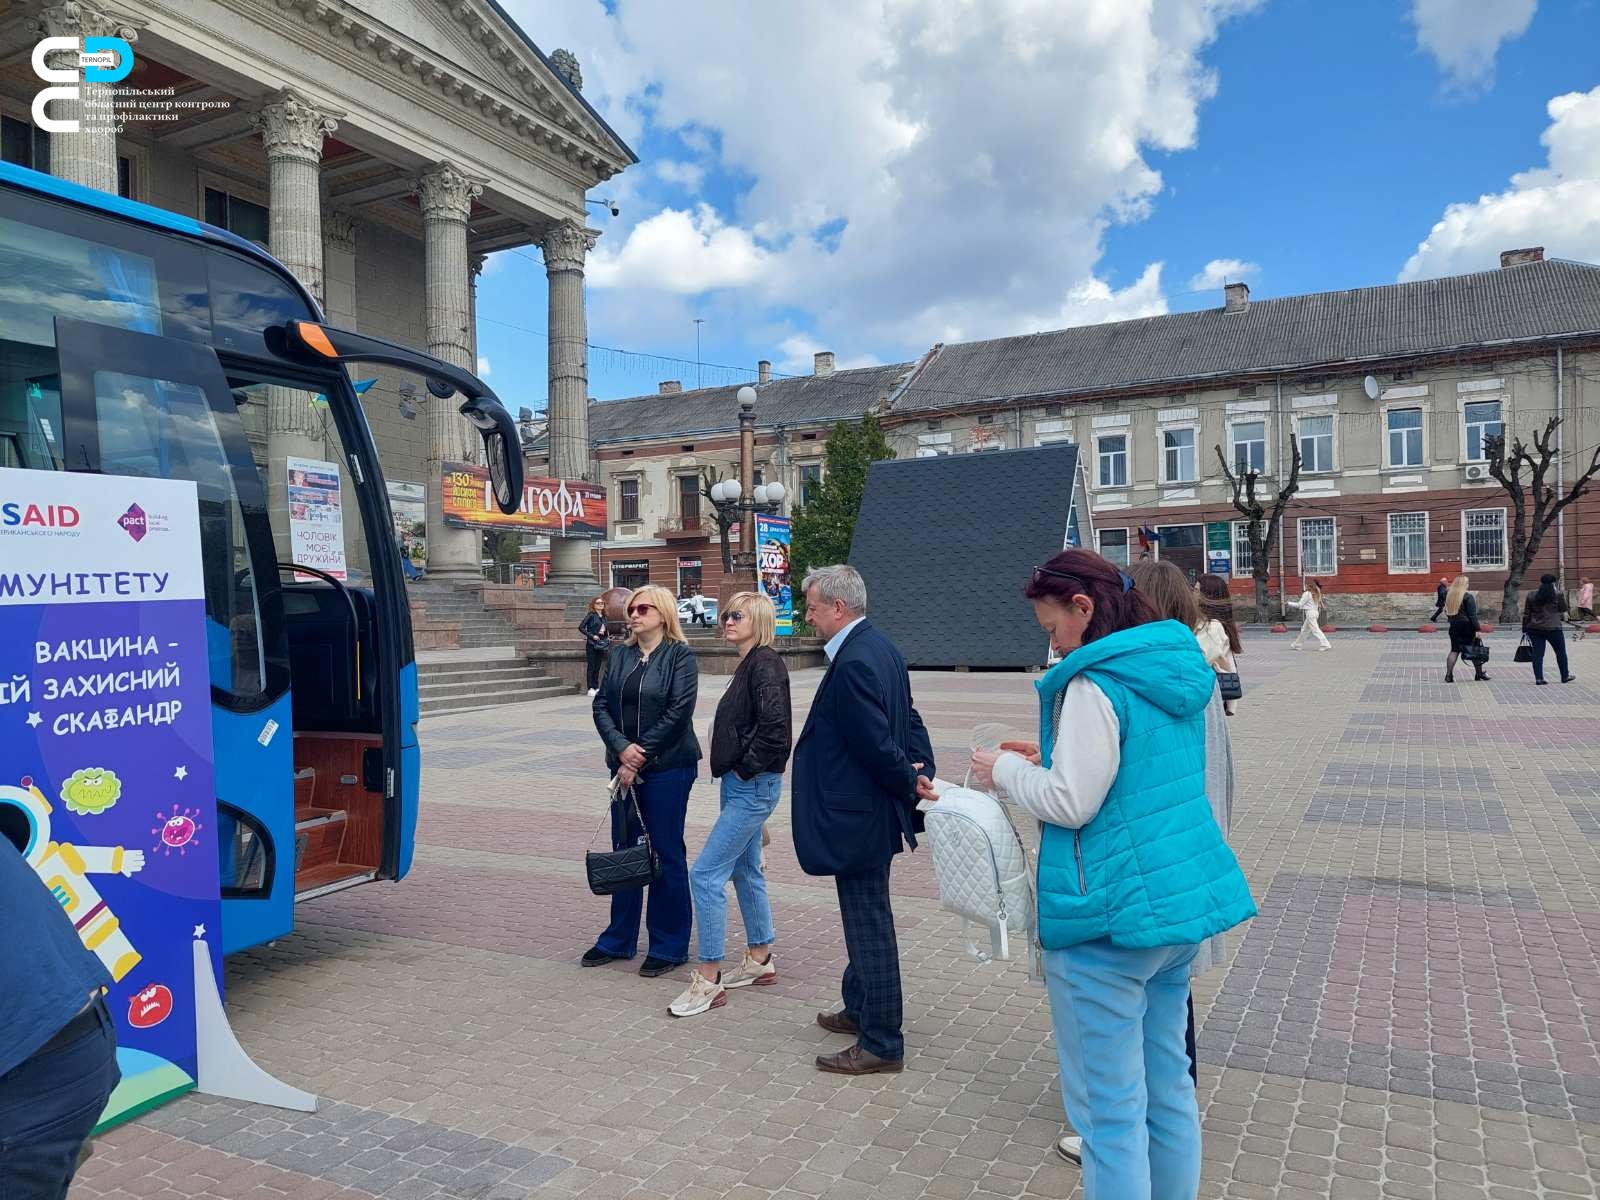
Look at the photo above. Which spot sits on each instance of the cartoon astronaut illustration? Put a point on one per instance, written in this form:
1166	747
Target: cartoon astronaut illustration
25	819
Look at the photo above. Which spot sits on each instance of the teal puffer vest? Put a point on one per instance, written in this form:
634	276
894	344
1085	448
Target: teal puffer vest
1151	868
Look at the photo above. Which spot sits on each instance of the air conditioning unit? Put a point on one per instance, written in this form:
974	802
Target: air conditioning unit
1477	472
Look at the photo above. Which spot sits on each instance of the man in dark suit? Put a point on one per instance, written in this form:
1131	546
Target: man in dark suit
1439	595
856	767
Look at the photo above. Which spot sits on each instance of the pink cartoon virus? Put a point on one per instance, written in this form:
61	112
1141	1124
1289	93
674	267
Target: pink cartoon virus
177	831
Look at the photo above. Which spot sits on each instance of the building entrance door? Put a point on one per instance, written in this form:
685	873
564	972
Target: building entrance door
1184	546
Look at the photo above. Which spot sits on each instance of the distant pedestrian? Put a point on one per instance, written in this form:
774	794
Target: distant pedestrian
1462	609
1586	600
1542	616
697	609
857	767
1218	631
1311	603
750	740
1440	593
596	639
644	712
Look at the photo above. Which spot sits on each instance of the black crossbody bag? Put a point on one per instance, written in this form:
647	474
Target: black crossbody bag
1229	686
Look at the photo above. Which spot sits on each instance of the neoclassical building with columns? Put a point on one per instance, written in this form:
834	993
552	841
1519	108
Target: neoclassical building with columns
380	149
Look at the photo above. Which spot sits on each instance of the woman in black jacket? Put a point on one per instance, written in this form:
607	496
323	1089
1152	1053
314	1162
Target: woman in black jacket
596	639
750	742
1542	615
1462	610
645	714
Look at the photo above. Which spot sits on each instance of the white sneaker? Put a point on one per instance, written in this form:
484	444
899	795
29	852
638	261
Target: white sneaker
1071	1149
751	972
700	996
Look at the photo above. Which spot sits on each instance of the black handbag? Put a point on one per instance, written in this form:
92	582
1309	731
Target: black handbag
1477	652
1229	686
1524	651
626	867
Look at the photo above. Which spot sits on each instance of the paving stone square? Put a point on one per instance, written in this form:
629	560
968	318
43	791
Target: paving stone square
1415	1013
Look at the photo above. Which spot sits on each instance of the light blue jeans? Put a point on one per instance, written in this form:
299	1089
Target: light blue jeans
1119	1016
734	851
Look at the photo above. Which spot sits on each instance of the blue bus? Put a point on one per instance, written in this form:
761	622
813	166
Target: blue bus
134	341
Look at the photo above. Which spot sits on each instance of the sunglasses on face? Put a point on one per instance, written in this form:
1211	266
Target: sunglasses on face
635	610
733	616
1042	573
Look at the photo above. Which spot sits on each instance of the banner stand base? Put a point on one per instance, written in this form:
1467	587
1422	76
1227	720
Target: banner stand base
224	1067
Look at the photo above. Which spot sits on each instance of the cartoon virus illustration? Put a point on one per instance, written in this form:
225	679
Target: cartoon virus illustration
91	790
178	831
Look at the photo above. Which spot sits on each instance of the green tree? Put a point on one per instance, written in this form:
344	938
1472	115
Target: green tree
823	529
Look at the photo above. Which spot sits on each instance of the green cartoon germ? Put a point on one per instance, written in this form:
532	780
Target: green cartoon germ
91	790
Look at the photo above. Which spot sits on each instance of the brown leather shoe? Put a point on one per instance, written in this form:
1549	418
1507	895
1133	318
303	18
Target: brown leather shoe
838	1023
856	1061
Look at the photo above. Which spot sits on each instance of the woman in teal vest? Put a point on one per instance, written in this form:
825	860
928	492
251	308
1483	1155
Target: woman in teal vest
1133	871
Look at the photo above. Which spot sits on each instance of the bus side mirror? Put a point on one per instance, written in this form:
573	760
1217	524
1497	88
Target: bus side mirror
502	449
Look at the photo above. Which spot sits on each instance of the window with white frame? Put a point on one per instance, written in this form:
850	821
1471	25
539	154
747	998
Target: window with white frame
1249	445
1111	451
1404	427
1244	557
1483	420
1315	438
1318	555
1114	545
933	445
1408	542
1483	539
1177	455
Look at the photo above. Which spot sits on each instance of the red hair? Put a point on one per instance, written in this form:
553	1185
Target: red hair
1117	604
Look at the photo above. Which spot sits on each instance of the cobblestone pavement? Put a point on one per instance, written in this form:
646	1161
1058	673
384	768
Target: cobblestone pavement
1416	1013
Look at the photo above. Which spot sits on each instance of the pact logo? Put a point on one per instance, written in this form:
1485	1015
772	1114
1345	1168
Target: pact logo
17	514
100	60
135	522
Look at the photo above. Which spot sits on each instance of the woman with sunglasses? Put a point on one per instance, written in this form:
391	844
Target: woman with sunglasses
750	742
1133	871
644	712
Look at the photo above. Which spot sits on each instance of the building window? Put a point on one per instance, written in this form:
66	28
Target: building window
1177	455
1244	558
810	483
23	145
1483	420
1112	452
1483	539
1316	444
1250	446
1114	545
1317	554
689	500
690	578
1405	436
933	445
1408	542
757	477
628	499
630	575
249	221
124	177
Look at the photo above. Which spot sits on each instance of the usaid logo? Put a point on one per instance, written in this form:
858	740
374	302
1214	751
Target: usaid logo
135	522
101	60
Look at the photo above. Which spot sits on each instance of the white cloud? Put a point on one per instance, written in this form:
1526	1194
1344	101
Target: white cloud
680	251
689	176
1556	206
1220	271
483	367
1463	36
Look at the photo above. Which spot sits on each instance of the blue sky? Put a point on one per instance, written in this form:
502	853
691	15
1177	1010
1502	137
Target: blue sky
871	178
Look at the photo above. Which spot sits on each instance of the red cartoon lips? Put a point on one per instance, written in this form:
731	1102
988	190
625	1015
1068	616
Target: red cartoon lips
150	1007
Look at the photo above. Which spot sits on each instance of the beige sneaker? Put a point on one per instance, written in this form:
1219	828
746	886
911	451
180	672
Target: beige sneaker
700	996
750	971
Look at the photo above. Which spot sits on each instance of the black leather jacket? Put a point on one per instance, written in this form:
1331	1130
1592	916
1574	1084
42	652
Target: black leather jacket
667	694
753	729
595	634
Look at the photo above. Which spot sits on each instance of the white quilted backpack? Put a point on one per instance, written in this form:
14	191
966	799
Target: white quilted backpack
982	868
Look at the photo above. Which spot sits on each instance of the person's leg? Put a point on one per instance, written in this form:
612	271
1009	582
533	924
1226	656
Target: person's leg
1450	666
621	937
738	827
1536	644
1558	643
1191	1045
669	912
869	939
1173	1116
1299	638
1315	625
755	907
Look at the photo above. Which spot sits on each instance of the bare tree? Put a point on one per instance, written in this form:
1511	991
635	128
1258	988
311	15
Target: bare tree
1263	515
707	479
1529	527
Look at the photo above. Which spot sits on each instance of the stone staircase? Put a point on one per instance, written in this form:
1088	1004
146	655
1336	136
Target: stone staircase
463	681
455	618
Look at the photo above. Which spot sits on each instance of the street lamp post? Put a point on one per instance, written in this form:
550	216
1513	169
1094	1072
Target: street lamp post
737	500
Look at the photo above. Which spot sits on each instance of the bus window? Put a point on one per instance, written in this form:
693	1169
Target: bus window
246	301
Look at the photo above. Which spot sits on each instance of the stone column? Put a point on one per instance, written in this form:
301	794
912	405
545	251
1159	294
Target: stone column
565	246
88	156
447	195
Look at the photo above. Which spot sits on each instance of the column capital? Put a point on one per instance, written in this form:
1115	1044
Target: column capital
339	228
565	245
72	18
475	265
291	127
446	192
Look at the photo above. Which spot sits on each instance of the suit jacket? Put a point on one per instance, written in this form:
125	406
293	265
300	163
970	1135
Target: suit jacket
854	792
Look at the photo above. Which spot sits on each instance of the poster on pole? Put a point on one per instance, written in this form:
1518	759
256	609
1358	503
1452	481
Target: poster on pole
408	505
105	713
316	516
772	567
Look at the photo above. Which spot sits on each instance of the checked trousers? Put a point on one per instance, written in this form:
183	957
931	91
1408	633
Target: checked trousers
871	986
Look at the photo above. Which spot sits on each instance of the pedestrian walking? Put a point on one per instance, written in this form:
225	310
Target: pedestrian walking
1311	603
1586	600
644	712
1462	608
596	639
1439	594
1218	631
697	610
1542	615
750	740
1134	872
58	1047
858	765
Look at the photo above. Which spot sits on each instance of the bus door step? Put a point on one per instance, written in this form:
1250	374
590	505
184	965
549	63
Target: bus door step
330	877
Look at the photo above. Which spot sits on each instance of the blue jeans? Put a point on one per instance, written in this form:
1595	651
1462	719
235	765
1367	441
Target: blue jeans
664	801
733	850
1119	1016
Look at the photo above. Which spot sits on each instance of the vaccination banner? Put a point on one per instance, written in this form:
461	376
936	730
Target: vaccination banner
565	507
316	517
105	716
772	565
408	505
